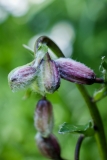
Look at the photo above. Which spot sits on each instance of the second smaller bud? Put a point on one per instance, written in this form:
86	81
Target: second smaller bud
43	118
49	147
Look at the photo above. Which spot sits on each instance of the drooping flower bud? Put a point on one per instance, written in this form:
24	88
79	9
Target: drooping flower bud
43	118
21	77
49	147
48	78
75	71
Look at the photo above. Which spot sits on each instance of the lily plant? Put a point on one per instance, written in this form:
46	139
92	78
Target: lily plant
43	75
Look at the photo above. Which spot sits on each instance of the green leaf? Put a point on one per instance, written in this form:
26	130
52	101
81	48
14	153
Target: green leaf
104	64
86	129
99	94
28	49
103	68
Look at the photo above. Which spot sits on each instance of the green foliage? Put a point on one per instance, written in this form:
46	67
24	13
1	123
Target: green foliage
101	93
98	95
86	129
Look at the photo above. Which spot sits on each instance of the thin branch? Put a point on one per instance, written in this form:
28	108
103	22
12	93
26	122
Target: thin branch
78	146
45	40
98	125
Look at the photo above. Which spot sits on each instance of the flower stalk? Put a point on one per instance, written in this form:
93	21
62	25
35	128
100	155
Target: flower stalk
98	125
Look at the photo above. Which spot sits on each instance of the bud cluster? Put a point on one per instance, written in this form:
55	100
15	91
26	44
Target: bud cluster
43	74
43	122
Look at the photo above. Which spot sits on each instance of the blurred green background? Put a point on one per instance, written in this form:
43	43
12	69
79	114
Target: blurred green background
79	27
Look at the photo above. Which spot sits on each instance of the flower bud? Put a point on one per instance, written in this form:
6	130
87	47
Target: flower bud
48	78
43	119
75	71
21	77
49	147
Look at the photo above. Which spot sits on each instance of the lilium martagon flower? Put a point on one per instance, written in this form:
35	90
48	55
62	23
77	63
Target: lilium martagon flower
43	74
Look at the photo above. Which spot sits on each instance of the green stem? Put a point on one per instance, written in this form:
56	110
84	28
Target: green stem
99	134
50	44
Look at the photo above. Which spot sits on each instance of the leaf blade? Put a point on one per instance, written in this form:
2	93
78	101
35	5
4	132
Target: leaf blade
86	129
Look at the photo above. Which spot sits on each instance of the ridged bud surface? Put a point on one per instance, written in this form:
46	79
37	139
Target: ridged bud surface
21	77
75	71
49	147
43	118
48	78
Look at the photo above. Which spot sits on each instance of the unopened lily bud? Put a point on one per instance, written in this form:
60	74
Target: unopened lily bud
48	78
75	71
21	77
49	147
43	118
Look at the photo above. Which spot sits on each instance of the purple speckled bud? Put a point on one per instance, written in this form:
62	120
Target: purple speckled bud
43	119
49	147
75	71
21	77
48	78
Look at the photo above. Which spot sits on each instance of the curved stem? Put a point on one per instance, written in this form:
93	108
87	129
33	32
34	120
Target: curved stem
50	44
78	146
98	125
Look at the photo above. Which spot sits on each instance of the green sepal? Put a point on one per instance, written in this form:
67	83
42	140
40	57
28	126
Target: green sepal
86	129
29	49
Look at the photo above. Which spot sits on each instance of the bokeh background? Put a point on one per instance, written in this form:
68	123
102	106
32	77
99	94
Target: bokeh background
79	27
